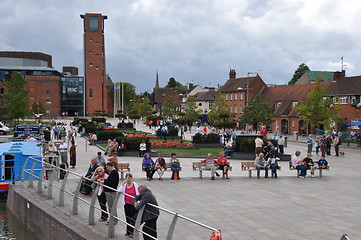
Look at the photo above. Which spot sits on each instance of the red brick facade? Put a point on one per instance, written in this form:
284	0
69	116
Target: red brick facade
95	71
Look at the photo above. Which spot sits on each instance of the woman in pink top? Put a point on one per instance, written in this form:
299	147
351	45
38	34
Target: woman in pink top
129	190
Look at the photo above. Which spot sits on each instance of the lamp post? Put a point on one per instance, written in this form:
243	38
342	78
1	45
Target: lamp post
248	85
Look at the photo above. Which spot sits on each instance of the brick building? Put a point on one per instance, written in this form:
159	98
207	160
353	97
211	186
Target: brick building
43	80
235	91
94	63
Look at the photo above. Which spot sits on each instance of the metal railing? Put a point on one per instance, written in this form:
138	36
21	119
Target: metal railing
29	174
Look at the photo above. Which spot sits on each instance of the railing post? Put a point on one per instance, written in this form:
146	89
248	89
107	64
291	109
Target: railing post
40	180
113	212
50	184
172	227
23	170
92	205
76	197
62	188
31	176
137	223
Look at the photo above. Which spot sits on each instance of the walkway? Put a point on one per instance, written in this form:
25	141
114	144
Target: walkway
249	208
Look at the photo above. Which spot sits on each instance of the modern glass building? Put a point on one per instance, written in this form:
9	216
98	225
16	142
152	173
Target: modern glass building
72	93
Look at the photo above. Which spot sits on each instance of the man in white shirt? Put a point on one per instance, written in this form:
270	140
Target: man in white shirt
259	144
63	151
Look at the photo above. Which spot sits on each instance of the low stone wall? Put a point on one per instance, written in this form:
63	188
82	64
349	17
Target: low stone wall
44	221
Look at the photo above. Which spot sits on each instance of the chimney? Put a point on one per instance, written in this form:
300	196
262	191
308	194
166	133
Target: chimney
190	86
337	75
232	74
211	89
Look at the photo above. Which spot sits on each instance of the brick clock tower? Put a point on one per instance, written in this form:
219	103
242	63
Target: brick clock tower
96	96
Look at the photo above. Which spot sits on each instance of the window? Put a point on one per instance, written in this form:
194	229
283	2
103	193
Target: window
355	120
241	109
231	108
343	100
90	39
353	99
200	104
235	96
241	96
226	96
93	23
90	64
2	91
235	109
96	67
294	104
97	55
47	83
277	104
90	52
47	92
90	92
210	104
96	43
336	100
231	96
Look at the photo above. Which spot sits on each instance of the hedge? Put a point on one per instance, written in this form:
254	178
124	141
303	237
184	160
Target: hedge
206	138
109	134
90	127
132	143
99	119
172	131
125	125
247	144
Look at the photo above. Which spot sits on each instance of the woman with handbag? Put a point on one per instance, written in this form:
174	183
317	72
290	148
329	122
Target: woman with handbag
130	189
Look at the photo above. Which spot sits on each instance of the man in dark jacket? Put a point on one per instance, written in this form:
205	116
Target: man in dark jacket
112	181
87	184
150	214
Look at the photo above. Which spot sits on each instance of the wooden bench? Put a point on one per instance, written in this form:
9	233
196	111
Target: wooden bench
317	167
122	168
167	168
201	166
249	166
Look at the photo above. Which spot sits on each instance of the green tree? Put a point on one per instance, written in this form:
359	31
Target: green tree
191	115
172	83
16	97
220	113
258	111
129	95
143	107
298	73
318	109
38	108
169	109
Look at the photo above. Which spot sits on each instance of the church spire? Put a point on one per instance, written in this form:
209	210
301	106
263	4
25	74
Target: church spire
157	81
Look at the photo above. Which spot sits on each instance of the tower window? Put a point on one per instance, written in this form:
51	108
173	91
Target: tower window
47	92
90	52
90	92
96	67
93	23
90	64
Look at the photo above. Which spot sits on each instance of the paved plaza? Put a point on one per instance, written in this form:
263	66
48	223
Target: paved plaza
249	208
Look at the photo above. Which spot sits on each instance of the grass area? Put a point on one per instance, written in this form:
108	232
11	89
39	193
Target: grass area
197	152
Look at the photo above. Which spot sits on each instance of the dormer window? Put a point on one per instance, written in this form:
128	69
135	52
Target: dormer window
294	104
277	105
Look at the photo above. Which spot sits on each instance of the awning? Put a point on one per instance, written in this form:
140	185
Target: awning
354	124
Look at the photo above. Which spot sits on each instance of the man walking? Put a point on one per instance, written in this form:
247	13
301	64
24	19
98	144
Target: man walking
150	214
309	144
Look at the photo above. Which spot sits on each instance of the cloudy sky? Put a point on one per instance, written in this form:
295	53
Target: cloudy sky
193	41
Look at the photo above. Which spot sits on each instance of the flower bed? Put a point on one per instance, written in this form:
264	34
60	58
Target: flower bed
172	145
139	135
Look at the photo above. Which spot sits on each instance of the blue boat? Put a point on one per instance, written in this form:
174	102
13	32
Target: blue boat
13	156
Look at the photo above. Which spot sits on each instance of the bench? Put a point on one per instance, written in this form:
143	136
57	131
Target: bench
122	168
167	168
249	166
201	166
316	168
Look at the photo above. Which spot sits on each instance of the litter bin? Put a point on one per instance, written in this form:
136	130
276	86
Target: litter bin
295	136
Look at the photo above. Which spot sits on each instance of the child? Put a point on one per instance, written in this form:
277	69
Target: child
322	163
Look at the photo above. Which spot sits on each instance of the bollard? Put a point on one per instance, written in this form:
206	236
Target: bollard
216	235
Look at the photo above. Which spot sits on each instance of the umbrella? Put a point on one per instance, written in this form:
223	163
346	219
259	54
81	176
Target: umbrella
354	124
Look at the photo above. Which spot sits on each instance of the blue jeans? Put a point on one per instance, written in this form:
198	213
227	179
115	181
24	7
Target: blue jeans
259	170
317	149
303	170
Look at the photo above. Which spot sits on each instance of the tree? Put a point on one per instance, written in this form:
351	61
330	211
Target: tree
220	113
190	110
129	95
16	97
298	73
317	109
38	108
143	108
172	83
169	109
258	111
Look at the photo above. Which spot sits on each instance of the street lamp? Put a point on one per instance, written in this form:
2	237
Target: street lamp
248	85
